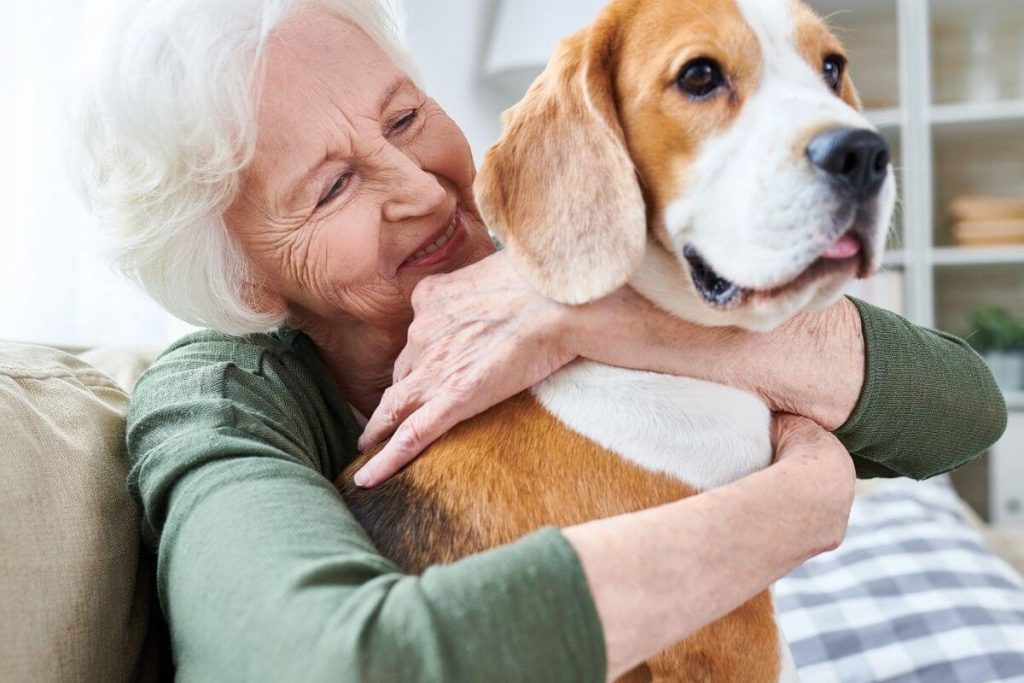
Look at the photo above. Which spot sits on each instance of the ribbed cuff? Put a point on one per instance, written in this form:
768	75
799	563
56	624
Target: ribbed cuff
928	405
874	412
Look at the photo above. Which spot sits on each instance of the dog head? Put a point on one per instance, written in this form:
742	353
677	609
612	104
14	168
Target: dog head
709	152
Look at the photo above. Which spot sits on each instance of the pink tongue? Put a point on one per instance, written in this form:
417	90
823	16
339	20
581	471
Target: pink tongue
845	247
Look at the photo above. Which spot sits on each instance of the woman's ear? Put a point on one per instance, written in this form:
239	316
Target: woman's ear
559	187
260	299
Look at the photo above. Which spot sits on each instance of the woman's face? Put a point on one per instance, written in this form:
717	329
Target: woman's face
360	186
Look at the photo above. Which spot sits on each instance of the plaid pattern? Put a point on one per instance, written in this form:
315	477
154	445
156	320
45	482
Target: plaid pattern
912	595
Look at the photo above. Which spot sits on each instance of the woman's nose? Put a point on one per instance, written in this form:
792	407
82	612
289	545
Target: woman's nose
415	192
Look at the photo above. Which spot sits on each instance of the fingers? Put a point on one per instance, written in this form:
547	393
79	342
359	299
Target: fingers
421	429
397	403
782	424
794	434
792	431
403	364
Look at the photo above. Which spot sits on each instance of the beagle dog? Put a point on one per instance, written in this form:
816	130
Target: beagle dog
711	155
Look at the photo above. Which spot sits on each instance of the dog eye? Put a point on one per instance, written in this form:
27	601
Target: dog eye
700	78
833	70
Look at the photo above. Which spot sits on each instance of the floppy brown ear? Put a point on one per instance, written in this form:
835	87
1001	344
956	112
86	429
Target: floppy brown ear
559	187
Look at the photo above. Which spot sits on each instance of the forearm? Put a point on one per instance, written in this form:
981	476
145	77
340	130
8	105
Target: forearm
812	365
904	400
659	575
266	576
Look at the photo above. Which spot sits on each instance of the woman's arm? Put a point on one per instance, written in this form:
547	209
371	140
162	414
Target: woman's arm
812	365
264	575
662	574
904	400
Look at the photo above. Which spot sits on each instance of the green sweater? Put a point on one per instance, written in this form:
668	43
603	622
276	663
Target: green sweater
264	574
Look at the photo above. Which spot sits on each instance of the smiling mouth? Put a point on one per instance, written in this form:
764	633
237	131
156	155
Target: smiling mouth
845	253
438	246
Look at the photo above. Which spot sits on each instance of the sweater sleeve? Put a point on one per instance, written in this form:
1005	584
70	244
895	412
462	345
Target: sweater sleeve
265	575
929	403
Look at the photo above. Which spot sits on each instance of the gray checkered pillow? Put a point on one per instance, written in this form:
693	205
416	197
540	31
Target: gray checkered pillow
912	595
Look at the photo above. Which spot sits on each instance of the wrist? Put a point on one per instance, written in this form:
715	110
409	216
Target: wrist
820	485
564	329
820	372
590	328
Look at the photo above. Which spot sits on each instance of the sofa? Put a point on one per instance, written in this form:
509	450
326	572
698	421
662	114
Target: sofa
76	588
77	601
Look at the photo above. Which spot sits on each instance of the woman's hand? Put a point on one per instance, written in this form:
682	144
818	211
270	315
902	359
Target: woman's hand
819	453
480	335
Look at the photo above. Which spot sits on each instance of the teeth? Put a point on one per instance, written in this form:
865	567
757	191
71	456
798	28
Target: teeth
441	241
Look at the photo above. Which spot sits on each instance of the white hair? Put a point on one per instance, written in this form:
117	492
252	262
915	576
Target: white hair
166	122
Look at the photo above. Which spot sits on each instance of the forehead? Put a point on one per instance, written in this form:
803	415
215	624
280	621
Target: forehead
317	56
744	32
320	72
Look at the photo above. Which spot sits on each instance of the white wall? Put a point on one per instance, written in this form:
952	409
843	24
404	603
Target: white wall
447	38
55	285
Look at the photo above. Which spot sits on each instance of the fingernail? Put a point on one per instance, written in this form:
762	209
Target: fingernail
361	478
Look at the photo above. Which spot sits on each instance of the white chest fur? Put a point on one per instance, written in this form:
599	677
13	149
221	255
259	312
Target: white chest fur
702	433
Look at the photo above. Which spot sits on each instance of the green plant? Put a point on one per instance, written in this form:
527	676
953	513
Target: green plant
993	328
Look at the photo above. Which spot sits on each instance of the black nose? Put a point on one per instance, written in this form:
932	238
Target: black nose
857	160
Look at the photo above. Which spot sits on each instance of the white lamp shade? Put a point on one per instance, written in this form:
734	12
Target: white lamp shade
525	35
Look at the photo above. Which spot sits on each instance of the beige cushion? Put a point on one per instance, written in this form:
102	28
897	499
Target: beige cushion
73	601
123	364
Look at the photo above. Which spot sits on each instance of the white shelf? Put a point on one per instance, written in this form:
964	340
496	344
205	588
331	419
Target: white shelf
885	119
977	116
959	10
977	256
866	10
945	148
1014	400
894	258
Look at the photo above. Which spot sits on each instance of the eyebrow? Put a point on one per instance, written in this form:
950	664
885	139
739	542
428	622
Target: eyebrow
294	187
389	95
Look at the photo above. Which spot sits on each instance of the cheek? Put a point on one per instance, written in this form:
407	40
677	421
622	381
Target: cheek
347	247
664	139
850	95
442	149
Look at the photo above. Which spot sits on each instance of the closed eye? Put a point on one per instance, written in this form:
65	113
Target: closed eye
337	188
406	120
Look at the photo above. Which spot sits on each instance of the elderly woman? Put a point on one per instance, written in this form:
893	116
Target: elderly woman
273	171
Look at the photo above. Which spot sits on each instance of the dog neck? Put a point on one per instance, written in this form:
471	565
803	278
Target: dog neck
663	281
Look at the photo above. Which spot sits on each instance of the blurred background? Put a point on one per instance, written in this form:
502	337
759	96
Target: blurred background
942	79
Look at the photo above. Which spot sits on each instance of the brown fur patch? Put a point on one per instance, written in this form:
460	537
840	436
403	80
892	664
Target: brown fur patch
663	127
815	41
514	469
507	472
